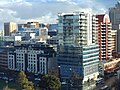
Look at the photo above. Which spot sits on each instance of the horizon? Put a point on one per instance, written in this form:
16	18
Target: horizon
46	11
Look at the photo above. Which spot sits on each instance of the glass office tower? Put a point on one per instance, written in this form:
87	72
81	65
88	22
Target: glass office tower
78	51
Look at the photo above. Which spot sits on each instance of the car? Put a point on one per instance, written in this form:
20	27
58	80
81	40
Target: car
99	81
63	83
36	74
37	79
5	78
10	79
105	88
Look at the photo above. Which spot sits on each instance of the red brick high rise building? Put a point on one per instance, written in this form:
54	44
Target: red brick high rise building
104	37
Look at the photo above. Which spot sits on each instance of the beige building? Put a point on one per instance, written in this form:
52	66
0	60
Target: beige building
9	28
114	40
33	24
109	66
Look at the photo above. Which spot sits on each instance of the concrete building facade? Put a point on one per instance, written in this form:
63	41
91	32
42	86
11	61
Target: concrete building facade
78	49
9	28
114	40
114	14
35	58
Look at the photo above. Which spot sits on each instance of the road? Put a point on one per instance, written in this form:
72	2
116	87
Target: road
109	82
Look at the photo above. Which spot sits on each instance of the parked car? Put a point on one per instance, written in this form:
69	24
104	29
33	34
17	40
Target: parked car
38	79
10	79
5	78
99	81
105	88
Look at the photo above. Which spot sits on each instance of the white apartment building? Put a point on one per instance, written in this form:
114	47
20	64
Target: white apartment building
77	29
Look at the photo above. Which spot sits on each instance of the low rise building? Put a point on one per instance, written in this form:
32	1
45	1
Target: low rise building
35	58
109	66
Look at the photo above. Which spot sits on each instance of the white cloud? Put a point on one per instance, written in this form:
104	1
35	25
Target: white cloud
44	11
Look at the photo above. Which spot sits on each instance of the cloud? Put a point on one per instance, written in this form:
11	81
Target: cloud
44	11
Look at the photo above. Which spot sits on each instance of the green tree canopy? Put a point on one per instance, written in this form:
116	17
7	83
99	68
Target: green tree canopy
23	81
22	78
75	79
50	82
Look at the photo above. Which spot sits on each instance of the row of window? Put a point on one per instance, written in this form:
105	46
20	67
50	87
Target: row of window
89	52
32	65
91	69
90	56
94	59
90	48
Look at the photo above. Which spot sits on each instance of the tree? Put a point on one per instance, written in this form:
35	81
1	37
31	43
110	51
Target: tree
50	82
23	81
75	80
22	78
53	72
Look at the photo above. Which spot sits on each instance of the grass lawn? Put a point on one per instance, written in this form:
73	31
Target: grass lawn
11	85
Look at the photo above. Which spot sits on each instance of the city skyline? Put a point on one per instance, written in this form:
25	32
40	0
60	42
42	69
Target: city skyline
73	44
45	11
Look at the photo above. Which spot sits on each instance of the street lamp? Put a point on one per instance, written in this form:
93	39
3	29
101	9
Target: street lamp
59	72
6	83
70	82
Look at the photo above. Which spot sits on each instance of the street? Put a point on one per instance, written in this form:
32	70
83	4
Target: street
109	82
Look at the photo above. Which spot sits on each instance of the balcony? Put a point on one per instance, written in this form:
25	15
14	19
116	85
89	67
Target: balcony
103	36
83	24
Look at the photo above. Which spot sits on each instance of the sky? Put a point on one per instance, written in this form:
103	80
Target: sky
45	11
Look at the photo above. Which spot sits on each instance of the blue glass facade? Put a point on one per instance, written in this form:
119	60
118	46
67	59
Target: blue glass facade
67	70
70	60
77	59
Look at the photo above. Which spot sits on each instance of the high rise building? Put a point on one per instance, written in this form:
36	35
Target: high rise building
104	37
77	29
9	28
118	43
114	14
78	50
